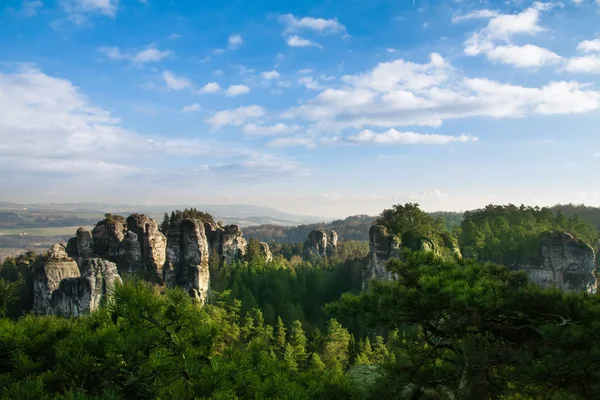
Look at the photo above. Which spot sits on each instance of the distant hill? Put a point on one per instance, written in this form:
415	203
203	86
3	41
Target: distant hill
240	214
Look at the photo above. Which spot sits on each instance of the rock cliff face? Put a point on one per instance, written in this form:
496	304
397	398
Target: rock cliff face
266	252
83	295
226	241
320	243
187	258
58	266
568	264
382	247
153	244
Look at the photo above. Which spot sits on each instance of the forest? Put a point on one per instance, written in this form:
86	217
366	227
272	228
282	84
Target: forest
447	327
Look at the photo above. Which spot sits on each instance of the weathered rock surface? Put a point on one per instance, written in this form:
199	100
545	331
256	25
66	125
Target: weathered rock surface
266	251
153	244
83	295
382	247
226	241
47	279
193	272
320	243
568	264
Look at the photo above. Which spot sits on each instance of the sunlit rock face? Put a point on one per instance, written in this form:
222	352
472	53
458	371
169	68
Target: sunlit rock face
266	252
153	244
85	294
319	243
58	266
567	263
225	241
382	247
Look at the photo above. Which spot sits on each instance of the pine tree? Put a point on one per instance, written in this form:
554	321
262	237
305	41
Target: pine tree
289	358
164	227
280	333
298	342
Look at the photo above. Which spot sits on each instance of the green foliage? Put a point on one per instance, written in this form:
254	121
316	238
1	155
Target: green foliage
147	345
511	235
18	273
190	213
467	330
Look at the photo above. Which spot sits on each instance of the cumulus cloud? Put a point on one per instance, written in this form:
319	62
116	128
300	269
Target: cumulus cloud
235	41
393	136
237	90
589	46
192	107
29	8
79	10
211	87
270	75
402	93
265	130
148	55
235	117
320	25
523	56
310	83
501	29
585	64
175	82
297	41
51	130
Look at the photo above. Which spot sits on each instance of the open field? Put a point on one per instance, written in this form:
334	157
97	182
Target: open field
50	231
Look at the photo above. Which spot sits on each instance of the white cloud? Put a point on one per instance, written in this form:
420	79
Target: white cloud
237	90
297	41
78	10
431	194
401	93
307	142
235	41
523	56
147	55
393	136
320	25
211	87
192	107
235	117
476	14
262	130
174	36
585	64
270	75
331	196
51	131
501	28
150	55
174	82
310	83
588	46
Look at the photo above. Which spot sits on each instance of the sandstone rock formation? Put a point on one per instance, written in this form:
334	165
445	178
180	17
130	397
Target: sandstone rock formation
320	243
266	251
382	247
83	295
47	279
226	241
567	263
187	258
76	279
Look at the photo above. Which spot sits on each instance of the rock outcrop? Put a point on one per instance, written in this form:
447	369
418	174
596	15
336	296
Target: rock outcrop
58	266
567	263
319	243
382	247
76	279
85	294
225	241
266	251
187	258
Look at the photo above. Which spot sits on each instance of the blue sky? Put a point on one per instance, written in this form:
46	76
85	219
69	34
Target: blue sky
326	108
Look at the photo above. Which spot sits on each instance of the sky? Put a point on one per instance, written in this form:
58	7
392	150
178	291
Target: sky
328	108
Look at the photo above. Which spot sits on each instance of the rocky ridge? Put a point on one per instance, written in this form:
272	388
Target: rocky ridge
319	243
68	284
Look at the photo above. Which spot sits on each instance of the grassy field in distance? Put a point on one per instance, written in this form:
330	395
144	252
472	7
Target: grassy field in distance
53	231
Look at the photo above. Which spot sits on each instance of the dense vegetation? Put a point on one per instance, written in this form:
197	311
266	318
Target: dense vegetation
447	328
511	235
